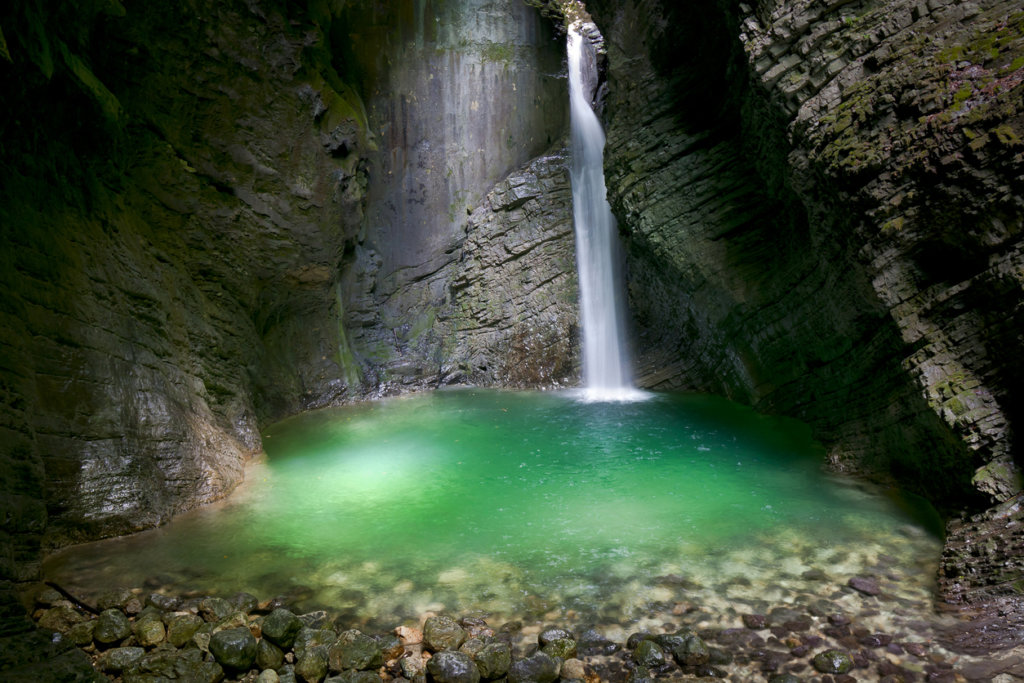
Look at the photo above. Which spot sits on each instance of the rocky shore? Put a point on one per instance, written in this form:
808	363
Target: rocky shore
133	636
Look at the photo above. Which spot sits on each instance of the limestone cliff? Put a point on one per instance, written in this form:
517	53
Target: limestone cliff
214	215
823	205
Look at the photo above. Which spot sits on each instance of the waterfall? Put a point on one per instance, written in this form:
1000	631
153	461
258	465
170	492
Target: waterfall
606	367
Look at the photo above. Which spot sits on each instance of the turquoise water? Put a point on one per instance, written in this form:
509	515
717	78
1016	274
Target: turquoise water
474	500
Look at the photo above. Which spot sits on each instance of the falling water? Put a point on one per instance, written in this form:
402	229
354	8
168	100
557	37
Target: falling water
606	371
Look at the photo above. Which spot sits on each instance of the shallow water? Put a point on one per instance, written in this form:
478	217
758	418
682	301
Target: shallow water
526	503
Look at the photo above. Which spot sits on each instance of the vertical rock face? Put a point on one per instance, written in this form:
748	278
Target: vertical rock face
458	95
239	210
824	209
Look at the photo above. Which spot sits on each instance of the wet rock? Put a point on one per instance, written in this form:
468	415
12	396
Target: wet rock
916	649
354	650
494	660
215	609
591	642
449	666
81	634
876	640
539	668
637	638
692	652
554	633
390	646
564	648
162	602
60	618
244	602
115	599
355	677
280	627
234	648
181	628
640	675
268	676
783	678
312	664
471	647
315	619
149	631
573	670
118	659
649	654
443	633
755	621
268	655
832	662
112	626
308	638
865	585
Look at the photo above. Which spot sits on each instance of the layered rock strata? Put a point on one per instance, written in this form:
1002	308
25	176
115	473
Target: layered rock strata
822	205
243	210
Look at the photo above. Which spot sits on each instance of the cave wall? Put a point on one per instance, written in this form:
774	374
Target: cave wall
789	178
212	217
822	205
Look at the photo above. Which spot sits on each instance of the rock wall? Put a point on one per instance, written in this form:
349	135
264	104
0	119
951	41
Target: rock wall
823	205
230	217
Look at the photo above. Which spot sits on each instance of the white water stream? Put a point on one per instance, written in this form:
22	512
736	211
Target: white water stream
606	364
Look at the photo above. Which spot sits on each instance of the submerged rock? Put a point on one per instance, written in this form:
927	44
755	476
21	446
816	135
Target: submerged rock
649	654
832	662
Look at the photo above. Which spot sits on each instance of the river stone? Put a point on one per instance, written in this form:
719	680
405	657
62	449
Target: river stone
308	638
163	664
443	633
234	648
573	670
81	634
354	650
411	666
115	599
355	677
783	678
452	667
149	632
832	662
494	660
864	585
215	609
390	646
268	676
312	664
244	602
561	647
640	675
591	642
116	660
111	627
540	668
554	633
472	646
60	618
268	655
280	627
692	652
648	653
166	603
181	628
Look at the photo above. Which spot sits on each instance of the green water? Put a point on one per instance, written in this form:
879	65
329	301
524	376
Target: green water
510	502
